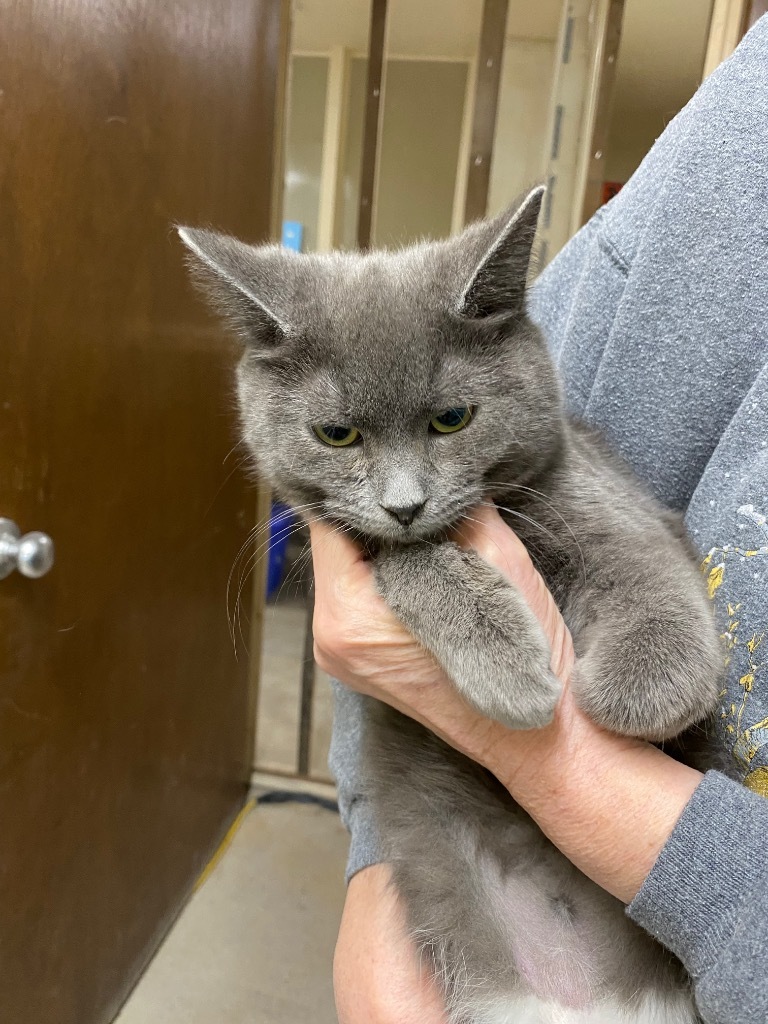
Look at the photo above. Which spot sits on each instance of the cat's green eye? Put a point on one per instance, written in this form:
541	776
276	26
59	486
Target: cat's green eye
336	436
451	420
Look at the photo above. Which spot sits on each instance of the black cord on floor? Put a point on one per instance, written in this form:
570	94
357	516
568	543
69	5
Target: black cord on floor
283	796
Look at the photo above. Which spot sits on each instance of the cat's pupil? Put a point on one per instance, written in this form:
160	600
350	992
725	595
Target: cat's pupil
453	417
335	433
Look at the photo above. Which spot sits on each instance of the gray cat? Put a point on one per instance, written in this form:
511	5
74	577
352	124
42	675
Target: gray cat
392	392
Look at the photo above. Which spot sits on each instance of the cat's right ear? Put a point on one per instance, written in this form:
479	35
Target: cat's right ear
245	284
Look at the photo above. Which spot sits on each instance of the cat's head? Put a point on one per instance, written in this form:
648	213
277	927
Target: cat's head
388	390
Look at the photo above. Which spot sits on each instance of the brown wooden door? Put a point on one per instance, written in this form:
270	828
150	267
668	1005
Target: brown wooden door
124	715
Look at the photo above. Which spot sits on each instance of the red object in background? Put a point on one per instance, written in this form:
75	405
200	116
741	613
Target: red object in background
610	189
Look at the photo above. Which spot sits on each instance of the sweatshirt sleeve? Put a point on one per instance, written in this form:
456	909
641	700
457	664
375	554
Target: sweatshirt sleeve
706	899
346	764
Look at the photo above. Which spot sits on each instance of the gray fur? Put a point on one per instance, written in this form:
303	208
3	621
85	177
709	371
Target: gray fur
383	342
485	615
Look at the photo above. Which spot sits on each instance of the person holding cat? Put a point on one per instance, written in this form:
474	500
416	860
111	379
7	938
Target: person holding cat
656	316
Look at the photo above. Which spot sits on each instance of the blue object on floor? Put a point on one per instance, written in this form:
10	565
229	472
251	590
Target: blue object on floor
280	522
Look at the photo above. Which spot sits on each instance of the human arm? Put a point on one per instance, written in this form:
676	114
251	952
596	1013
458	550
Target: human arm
378	978
592	810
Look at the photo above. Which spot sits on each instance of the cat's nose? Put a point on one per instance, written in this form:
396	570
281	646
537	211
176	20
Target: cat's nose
405	514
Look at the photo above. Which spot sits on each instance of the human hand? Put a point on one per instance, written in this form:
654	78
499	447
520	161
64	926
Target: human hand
359	640
377	976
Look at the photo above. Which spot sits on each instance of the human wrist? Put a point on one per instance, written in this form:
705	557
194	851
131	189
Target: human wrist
608	802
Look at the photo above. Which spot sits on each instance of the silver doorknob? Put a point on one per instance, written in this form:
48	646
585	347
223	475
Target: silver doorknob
31	554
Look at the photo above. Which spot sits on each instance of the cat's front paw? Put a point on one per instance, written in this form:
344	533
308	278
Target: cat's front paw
522	696
652	678
477	626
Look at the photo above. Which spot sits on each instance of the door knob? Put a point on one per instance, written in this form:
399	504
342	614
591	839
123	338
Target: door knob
31	554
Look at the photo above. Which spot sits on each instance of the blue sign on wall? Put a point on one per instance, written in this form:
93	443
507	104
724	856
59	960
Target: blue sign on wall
293	234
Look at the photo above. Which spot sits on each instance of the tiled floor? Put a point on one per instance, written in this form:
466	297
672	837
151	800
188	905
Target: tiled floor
255	943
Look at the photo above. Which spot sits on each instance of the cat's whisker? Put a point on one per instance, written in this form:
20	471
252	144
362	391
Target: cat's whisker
253	536
304	559
292	576
255	557
530	547
471	519
237	465
543	498
520	515
238	444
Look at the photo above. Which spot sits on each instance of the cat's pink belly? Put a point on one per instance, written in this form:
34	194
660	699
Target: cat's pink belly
531	1010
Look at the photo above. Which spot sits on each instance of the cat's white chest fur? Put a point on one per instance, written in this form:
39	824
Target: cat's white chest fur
531	1010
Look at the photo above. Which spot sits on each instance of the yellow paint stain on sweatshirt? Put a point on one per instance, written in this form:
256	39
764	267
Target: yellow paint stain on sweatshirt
757	781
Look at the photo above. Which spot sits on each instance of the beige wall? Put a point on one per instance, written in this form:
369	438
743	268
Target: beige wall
424	102
519	159
353	152
304	143
420	136
659	68
425	28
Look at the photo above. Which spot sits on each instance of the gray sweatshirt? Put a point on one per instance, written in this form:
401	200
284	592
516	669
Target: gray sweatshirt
657	315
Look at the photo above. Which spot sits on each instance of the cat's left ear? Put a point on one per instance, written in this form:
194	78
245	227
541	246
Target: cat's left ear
496	285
